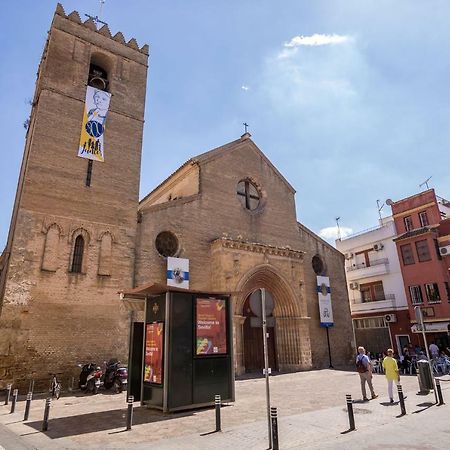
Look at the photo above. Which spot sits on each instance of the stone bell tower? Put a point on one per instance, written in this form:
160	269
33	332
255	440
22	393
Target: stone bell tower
71	241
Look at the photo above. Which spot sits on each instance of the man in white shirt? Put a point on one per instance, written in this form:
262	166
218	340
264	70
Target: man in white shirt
364	368
434	350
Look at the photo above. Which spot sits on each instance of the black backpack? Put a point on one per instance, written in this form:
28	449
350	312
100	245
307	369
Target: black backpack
360	367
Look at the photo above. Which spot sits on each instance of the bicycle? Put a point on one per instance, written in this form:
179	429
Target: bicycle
55	386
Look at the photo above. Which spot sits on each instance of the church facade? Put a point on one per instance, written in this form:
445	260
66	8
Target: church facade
79	233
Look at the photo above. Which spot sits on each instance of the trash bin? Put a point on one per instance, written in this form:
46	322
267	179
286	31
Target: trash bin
424	375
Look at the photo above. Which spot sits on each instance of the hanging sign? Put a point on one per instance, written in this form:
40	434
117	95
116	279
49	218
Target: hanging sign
324	294
211	326
154	352
93	127
178	272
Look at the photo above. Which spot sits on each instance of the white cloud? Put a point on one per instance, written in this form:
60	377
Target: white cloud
316	39
331	233
245	88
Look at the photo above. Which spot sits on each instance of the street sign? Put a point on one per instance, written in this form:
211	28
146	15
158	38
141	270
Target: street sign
419	318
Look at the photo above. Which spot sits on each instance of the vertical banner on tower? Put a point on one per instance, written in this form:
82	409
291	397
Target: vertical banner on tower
154	352
325	308
96	109
211	326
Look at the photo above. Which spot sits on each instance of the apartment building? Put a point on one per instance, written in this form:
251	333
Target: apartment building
422	224
377	296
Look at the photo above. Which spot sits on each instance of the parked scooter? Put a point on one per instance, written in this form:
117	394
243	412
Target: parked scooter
90	377
115	376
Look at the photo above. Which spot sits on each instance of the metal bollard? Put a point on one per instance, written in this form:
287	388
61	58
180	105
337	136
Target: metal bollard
274	422
439	392
218	404
351	417
48	403
27	406
14	400
130	412
401	398
8	393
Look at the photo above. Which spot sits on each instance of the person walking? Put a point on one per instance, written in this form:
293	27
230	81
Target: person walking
364	368
391	371
434	350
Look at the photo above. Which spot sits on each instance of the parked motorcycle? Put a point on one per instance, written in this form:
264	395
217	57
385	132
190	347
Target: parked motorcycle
115	376
90	377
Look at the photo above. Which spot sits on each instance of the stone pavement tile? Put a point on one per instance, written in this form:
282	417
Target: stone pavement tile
309	405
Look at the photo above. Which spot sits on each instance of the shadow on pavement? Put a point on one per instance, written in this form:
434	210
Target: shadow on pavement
424	407
101	421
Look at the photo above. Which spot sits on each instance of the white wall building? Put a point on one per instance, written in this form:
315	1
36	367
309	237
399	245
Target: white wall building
375	285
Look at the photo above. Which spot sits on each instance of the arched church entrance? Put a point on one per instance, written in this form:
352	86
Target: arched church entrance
253	334
289	345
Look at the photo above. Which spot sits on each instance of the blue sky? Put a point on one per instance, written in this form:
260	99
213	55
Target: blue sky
349	99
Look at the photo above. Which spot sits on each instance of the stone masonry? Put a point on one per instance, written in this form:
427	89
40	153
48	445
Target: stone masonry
52	319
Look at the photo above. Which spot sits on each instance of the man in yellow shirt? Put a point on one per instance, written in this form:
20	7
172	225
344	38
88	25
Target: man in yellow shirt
391	371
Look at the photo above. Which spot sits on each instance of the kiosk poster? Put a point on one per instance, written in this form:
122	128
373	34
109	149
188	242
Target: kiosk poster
153	352
211	326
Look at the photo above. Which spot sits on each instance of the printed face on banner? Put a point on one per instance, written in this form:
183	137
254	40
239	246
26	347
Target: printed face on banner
96	108
211	327
153	353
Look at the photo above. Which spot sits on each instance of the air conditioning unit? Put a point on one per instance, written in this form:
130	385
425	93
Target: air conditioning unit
354	285
390	318
378	247
444	251
348	255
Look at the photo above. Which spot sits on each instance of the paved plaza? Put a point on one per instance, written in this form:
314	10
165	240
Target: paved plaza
311	408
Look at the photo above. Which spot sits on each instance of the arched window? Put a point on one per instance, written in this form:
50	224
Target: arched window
78	250
98	77
104	263
50	256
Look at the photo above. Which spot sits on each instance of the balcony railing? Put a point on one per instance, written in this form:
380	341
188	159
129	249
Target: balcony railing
359	301
375	262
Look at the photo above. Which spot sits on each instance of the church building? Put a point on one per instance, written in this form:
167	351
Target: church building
79	233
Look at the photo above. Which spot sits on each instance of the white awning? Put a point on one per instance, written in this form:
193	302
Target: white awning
433	327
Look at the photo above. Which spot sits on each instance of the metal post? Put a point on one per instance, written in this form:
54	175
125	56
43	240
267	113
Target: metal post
266	362
419	318
401	398
130	412
48	403
439	392
351	417
8	393
27	406
274	420
31	386
217	401
329	348
14	400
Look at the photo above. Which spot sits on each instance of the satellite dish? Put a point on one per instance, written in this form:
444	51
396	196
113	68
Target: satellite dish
389	202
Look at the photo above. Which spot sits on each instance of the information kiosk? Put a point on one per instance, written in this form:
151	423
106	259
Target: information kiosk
181	355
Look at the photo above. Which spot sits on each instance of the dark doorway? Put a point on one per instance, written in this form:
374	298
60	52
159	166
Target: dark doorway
253	337
135	360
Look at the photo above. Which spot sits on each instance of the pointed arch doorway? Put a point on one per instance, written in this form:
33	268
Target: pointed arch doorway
253	334
289	338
